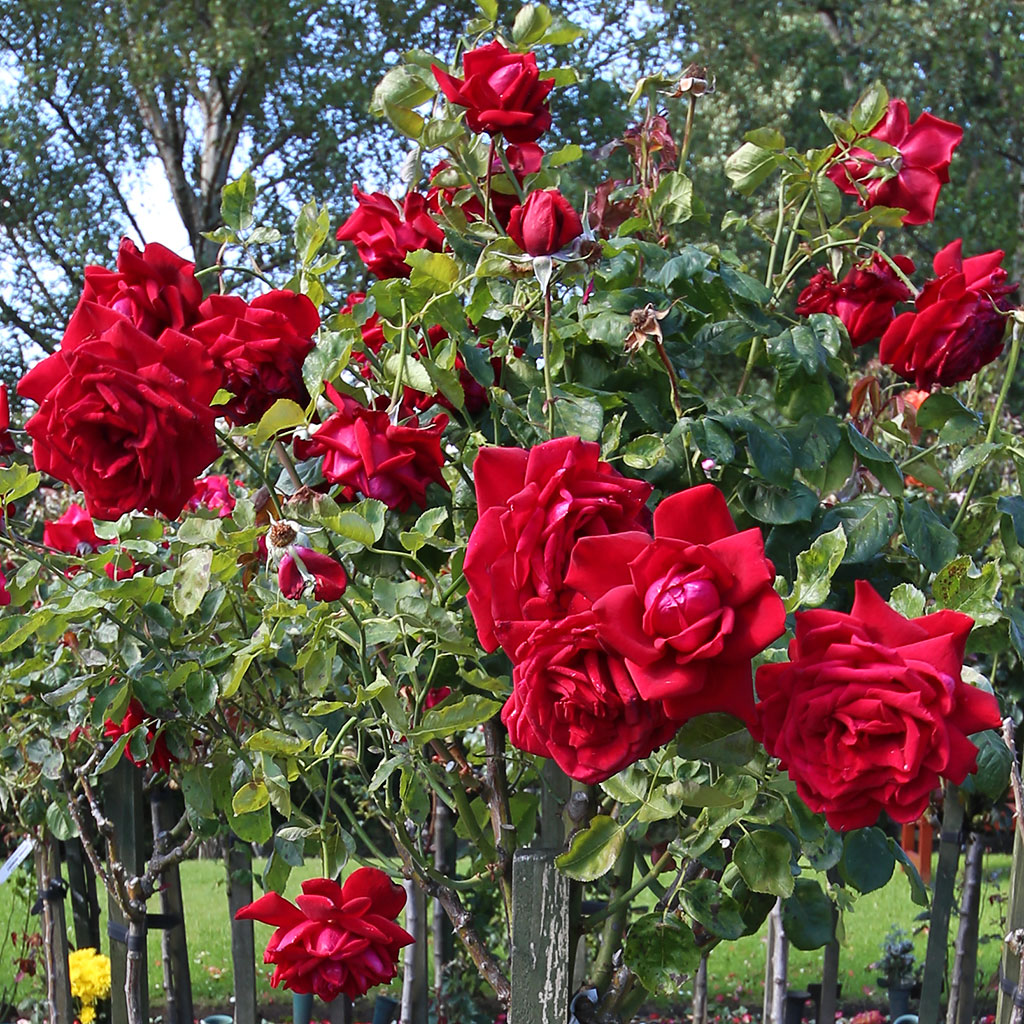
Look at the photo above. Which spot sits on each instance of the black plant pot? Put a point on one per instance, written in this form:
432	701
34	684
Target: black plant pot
899	1000
384	1010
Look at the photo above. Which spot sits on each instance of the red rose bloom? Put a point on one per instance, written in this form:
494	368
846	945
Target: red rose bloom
864	300
363	450
7	444
957	326
339	940
871	711
123	417
160	757
260	346
922	167
384	232
5	597
435	696
574	702
328	576
688	609
545	223
213	491
534	507
154	288
503	92
74	534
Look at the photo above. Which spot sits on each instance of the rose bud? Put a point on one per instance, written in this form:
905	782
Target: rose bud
546	223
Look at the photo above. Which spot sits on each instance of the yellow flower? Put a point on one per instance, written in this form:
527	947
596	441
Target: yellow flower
90	980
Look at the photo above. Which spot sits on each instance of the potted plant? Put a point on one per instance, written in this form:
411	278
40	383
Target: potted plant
900	969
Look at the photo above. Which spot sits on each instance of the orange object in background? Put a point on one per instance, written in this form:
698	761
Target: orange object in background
916	839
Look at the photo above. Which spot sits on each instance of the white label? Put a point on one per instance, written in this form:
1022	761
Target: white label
24	849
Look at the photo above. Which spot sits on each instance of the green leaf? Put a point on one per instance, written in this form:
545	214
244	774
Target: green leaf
351	525
237	199
661	952
868	522
749	166
191	580
762	858
593	850
672	201
273	741
867	862
284	414
963	587
568	154
405	86
561	32
60	823
929	538
716	738
918	890
778	505
807	916
254	827
941	408
716	910
870	108
878	461
453	719
907	600
992	775
532	21
407	121
312	226
489	8
582	417
201	690
815	568
644	452
251	797
433	270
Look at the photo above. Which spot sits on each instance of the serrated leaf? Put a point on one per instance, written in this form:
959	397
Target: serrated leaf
870	108
191	581
284	414
273	741
453	719
532	21
237	199
962	587
867	862
907	600
716	738
762	858
705	902
593	850
815	568
749	166
929	538
807	916
869	522
661	952
253	796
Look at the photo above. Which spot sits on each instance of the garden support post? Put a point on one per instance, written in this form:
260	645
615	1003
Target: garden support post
1010	972
55	935
700	992
942	905
414	982
444	864
123	795
243	945
166	807
85	907
965	963
776	969
541	951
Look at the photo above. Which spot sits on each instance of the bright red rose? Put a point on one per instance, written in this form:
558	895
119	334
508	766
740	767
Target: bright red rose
922	167
364	451
7	444
503	93
534	507
688	608
435	696
545	223
328	577
339	940
123	417
957	326
154	288
74	534
384	233
160	757
578	704
5	597
864	300
260	346
871	710
523	160
213	491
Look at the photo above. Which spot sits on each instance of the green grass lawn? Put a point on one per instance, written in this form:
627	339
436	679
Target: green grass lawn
735	972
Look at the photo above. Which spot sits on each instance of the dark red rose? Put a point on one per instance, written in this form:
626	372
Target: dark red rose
957	325
864	300
154	288
578	704
213	491
384	233
5	597
440	196
687	609
364	451
339	940
503	93
545	223
922	167
435	696
328	577
7	444
260	346
135	715
871	710
534	507
123	417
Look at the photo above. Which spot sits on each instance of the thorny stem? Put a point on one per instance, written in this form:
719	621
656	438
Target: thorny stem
286	461
684	152
497	800
1018	330
507	167
673	380
487	181
625	898
257	469
403	348
549	391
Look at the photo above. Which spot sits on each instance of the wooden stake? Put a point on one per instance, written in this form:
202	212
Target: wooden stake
55	935
965	963
414	981
243	945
